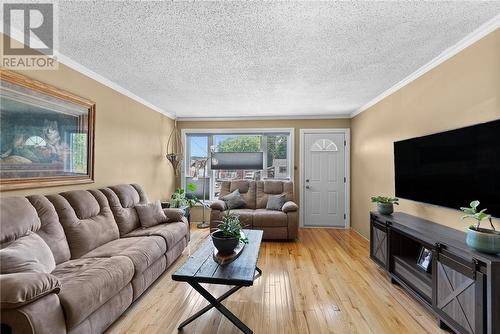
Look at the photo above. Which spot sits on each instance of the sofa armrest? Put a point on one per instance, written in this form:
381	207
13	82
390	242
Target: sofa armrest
218	205
289	207
174	214
23	288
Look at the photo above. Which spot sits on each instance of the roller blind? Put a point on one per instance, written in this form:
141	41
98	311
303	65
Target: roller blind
238	160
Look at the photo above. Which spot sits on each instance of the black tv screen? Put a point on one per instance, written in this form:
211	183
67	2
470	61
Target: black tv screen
451	168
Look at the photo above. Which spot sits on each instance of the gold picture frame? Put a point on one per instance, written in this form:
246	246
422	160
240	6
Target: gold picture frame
46	135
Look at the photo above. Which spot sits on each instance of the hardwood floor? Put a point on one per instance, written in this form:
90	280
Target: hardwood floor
322	283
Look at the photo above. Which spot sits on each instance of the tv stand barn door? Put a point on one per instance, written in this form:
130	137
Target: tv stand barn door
462	288
459	293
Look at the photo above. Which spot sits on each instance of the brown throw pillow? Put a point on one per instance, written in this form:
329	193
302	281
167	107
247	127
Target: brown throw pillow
27	254
151	214
234	200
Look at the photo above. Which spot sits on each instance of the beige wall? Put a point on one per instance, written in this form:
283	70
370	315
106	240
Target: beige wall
462	91
130	138
296	124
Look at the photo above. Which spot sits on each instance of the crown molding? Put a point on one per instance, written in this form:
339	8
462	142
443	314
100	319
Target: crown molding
60	58
106	82
483	30
261	118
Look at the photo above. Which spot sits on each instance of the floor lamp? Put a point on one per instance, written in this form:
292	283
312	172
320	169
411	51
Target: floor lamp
201	164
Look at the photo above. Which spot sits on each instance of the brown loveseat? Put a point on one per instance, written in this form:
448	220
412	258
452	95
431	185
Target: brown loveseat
104	259
275	224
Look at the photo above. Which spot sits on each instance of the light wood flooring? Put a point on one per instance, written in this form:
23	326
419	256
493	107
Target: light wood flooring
322	283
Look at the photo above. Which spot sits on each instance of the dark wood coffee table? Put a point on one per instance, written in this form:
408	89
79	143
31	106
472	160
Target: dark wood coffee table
201	268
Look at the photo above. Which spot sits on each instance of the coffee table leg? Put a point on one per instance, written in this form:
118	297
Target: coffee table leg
209	306
217	304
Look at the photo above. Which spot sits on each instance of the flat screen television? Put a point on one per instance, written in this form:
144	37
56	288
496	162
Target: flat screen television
451	168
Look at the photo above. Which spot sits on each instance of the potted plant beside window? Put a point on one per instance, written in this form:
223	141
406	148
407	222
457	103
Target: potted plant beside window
179	199
385	205
482	239
228	234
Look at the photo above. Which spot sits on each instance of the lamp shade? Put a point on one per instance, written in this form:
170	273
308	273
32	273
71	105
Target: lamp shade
237	160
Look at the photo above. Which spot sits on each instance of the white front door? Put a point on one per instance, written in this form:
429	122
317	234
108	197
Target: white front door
324	179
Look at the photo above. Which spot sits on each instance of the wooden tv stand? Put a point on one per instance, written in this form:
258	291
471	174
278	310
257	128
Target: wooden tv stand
462	288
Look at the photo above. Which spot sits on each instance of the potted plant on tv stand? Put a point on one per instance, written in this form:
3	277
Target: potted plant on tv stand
228	234
482	239
385	205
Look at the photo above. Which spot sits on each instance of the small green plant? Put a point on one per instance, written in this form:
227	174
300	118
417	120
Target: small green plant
231	226
385	200
479	216
179	199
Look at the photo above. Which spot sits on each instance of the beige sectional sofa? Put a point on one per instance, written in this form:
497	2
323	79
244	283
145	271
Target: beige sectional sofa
104	259
275	224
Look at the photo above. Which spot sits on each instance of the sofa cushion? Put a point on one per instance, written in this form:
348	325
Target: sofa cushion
246	216
174	214
270	218
87	284
86	218
23	288
122	200
129	194
234	200
17	217
26	254
143	251
172	233
151	214
272	187
246	188
51	231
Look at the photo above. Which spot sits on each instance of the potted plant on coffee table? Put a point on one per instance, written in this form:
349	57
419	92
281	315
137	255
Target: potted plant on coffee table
228	234
385	205
482	239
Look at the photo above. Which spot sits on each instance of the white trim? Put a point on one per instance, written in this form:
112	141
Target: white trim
465	42
261	118
62	59
290	148
347	172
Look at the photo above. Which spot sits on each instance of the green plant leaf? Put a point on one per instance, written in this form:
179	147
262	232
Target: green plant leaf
474	204
191	187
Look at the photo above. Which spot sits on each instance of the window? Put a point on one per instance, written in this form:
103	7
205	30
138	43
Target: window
276	155
35	141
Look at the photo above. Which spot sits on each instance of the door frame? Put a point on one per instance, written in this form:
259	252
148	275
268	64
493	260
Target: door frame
347	170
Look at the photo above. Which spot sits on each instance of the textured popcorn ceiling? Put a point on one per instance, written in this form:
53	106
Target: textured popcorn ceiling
227	59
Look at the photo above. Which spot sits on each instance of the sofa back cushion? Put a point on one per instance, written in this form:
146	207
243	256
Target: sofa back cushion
17	218
86	218
28	253
51	231
122	200
246	188
274	187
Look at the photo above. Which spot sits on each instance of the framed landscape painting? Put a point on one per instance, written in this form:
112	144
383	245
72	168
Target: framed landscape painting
46	135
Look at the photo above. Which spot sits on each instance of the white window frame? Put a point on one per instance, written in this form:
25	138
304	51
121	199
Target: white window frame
242	131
